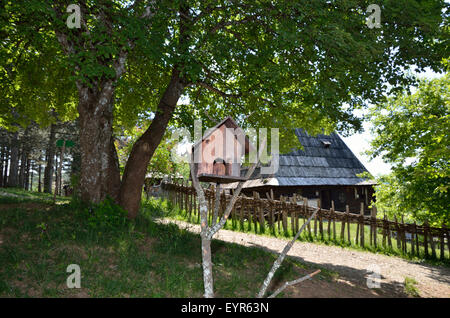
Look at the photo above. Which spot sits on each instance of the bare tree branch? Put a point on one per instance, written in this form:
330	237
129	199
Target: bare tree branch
293	282
281	258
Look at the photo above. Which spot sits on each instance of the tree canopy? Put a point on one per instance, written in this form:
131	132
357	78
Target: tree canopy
412	133
282	64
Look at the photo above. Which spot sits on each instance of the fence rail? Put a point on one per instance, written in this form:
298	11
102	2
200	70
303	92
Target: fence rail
284	216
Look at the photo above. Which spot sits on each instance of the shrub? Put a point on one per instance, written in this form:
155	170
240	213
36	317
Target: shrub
106	215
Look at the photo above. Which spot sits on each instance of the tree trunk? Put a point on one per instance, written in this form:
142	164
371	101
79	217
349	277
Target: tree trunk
5	171
142	151
13	178
27	174
207	267
100	176
50	154
31	179
39	176
2	163
23	163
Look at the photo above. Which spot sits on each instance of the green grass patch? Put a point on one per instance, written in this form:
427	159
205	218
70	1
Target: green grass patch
410	287
121	258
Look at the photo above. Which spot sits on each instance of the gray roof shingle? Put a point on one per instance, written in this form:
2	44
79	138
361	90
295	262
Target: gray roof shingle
318	163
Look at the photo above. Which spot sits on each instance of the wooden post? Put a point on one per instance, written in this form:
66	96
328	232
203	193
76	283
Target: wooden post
260	211
448	238
374	224
315	218
308	226
296	214
442	243
362	224
433	245
399	246
292	212
334	220
241	215
330	216
320	219
425	238
416	238
283	211
343	221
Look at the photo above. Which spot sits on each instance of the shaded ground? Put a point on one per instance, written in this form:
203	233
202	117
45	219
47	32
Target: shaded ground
432	281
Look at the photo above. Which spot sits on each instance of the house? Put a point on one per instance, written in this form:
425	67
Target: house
325	169
219	154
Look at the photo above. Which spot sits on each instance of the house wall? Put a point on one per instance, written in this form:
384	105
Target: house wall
341	195
221	144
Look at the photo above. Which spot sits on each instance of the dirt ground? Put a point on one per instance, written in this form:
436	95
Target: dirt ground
354	268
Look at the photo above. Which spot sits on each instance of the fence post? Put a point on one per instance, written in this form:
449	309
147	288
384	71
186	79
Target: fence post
305	202
362	224
330	216
296	214
433	246
425	238
334	220
448	238
374	223
241	215
442	244
284	214
343	221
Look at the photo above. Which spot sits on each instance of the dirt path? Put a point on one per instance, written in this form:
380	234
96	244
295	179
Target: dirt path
352	265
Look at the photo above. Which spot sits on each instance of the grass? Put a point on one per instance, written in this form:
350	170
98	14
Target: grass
17	195
140	258
410	287
174	212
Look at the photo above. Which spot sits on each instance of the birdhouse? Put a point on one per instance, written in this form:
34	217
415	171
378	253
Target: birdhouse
218	156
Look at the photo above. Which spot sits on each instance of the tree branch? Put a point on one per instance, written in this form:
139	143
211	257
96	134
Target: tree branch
294	282
281	258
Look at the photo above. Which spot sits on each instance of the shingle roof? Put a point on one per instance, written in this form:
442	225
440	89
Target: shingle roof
324	160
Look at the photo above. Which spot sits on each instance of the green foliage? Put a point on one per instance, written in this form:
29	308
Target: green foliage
147	260
288	64
106	216
412	133
410	287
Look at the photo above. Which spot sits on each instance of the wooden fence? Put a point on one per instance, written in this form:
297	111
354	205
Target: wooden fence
284	216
